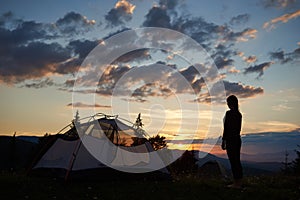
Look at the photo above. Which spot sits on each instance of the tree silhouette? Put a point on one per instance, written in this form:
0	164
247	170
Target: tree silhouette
76	119
286	164
158	142
296	162
138	141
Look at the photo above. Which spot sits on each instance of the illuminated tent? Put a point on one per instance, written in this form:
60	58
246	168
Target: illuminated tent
104	141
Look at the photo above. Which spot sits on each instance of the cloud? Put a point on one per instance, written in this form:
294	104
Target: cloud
240	19
200	30
37	84
110	78
27	49
250	59
74	23
286	57
284	19
231	88
258	68
221	62
5	17
83	47
241	36
160	15
233	70
69	83
281	107
136	55
151	89
153	80
121	13
23	32
277	126
242	91
157	17
218	40
222	56
84	105
170	4
278	3
31	61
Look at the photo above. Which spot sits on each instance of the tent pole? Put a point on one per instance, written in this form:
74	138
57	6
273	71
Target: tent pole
74	154
41	152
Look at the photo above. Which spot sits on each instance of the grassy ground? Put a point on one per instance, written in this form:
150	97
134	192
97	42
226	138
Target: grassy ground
15	186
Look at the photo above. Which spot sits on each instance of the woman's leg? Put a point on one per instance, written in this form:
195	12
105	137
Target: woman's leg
233	152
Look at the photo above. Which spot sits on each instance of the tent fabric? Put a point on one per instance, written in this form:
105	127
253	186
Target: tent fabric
60	155
89	152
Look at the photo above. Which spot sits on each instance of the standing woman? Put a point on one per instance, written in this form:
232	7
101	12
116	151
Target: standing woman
231	140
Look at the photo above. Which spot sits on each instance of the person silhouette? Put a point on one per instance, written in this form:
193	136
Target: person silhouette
231	140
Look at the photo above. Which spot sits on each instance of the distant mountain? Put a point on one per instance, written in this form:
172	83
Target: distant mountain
270	157
33	139
250	167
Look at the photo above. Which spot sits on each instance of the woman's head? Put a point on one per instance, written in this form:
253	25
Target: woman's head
233	102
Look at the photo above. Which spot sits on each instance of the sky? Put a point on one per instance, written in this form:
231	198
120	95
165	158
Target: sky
254	45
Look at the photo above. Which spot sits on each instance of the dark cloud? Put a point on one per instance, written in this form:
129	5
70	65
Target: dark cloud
197	28
222	62
27	50
136	55
190	74
5	17
37	84
258	68
69	83
109	78
121	13
241	36
161	83
116	32
17	31
286	57
23	56
232	88
74	23
84	105
157	17
198	84
241	91
161	15
169	4
240	19
205	33
82	47
31	61
151	90
79	50
278	3
24	33
222	56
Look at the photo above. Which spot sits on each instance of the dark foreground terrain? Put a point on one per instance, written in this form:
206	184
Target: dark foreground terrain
17	186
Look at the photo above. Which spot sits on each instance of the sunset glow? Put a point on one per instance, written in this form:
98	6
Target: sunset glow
253	45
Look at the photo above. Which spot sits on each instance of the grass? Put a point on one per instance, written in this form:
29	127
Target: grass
16	186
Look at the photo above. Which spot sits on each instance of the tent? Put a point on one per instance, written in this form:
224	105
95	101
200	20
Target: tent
211	166
104	145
